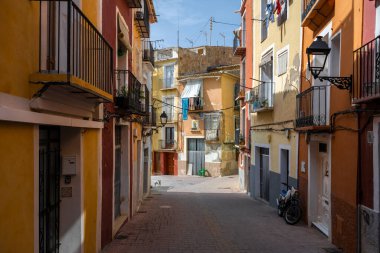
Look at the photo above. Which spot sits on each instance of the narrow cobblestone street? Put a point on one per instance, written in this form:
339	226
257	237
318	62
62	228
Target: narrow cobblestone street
206	215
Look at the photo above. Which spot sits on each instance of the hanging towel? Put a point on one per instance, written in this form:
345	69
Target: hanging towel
269	13
277	6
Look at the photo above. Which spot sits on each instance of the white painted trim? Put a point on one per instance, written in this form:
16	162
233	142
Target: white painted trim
289	148
185	144
36	215
267	50
326	138
376	164
258	145
82	190
16	109
280	51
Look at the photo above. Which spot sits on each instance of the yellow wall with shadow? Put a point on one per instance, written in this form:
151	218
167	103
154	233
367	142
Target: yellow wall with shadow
16	187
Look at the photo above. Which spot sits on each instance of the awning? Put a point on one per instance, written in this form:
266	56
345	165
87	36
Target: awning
268	57
192	89
124	33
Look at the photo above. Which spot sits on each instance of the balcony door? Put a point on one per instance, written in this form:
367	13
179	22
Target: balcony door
169	137
266	76
168	108
195	155
169	76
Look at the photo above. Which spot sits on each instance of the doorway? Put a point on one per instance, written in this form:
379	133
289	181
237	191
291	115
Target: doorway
195	155
264	173
49	189
146	170
320	186
284	163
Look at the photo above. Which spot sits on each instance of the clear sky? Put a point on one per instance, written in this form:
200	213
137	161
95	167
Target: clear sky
193	17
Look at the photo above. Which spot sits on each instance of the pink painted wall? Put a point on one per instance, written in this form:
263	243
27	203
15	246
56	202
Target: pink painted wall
369	20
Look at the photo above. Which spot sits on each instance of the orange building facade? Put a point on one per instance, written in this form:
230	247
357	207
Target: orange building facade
327	122
243	43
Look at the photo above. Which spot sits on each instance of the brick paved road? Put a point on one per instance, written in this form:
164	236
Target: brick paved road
179	217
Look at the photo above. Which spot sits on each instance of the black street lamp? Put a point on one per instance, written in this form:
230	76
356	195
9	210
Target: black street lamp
320	49
163	121
163	118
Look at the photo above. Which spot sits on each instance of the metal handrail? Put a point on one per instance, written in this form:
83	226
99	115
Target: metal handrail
366	72
312	107
70	44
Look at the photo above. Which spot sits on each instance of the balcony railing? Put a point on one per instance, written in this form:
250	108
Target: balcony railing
150	117
130	96
262	96
171	115
134	3
167	83
142	21
72	49
168	144
212	134
148	52
312	107
237	48
366	78
195	104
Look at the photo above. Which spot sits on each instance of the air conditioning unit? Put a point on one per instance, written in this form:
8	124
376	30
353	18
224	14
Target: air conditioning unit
195	125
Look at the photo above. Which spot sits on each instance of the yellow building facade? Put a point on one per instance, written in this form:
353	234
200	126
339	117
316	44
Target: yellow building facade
166	98
276	73
50	126
208	119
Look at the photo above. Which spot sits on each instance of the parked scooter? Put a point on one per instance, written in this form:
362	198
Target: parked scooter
288	205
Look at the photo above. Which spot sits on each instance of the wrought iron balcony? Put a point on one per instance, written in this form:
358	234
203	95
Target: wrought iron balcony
238	48
142	21
150	118
312	107
148	52
366	78
237	129
195	104
134	3
168	144
73	55
315	12
171	115
167	83
131	96
262	97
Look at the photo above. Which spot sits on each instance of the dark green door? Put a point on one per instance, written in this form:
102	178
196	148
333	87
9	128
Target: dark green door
49	199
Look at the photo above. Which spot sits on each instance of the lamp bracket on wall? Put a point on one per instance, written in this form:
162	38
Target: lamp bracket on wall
343	83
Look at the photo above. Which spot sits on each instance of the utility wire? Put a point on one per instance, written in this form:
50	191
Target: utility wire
224	23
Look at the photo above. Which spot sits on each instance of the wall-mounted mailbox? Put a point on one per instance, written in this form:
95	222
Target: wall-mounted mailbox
69	165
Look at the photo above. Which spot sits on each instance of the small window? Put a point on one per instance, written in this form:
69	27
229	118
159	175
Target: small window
282	62
322	147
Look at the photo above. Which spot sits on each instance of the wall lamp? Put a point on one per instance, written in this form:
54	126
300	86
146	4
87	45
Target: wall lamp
320	50
163	121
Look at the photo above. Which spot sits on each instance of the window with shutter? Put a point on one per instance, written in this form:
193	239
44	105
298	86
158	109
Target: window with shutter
282	62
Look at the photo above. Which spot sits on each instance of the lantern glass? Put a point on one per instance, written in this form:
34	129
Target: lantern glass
163	118
317	54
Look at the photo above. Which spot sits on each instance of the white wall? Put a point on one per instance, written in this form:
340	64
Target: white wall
71	208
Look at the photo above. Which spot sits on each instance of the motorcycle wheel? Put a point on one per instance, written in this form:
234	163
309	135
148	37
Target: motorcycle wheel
280	212
292	214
